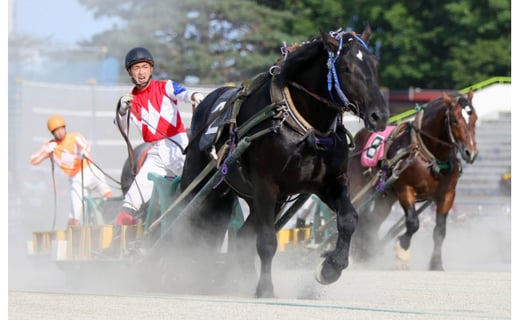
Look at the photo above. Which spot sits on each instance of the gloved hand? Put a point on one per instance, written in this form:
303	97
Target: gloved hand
50	147
83	154
125	103
196	98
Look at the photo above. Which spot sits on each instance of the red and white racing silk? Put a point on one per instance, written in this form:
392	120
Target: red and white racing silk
155	111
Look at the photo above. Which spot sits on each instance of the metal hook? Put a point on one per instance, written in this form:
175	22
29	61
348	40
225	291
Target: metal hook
274	70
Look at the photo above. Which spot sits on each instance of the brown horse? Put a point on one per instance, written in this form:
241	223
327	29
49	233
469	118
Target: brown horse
419	163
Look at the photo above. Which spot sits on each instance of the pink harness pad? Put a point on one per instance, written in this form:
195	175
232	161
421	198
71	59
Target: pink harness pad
375	147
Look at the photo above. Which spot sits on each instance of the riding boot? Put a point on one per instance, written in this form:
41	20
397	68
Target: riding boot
126	217
72	222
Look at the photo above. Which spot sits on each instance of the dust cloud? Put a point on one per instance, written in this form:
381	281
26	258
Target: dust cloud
478	239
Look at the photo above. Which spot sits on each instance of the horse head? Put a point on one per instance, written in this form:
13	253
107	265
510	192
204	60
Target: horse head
353	73
462	117
337	71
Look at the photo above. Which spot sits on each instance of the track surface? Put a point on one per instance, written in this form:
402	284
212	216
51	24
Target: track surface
357	295
475	285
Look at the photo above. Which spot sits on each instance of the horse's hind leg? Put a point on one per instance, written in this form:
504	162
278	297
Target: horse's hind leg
266	245
259	223
402	244
371	217
242	251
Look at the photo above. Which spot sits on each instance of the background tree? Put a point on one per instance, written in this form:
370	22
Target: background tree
208	41
428	44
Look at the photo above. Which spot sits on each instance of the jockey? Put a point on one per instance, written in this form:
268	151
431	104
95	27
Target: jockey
152	106
70	151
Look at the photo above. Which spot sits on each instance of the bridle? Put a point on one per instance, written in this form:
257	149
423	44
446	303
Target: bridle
333	83
452	143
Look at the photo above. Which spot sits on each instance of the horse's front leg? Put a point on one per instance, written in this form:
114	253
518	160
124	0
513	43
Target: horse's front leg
439	232
402	245
336	260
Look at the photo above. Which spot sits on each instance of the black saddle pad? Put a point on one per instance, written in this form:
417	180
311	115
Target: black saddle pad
210	135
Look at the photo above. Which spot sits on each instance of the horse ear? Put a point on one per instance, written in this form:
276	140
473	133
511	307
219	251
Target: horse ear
327	41
447	99
366	34
470	94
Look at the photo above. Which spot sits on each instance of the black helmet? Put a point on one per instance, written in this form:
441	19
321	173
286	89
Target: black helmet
138	55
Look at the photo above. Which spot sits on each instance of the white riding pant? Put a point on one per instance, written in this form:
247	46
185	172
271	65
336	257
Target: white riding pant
164	158
93	181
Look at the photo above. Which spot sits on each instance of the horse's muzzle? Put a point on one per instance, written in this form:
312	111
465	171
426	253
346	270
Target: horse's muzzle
469	155
376	121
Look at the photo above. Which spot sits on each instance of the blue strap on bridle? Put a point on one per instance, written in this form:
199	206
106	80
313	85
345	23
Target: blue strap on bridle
332	76
361	41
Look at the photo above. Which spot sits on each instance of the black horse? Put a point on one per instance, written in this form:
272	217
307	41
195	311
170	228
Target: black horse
292	117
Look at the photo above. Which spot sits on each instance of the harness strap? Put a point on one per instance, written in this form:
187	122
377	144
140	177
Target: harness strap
264	114
210	166
416	138
328	103
366	188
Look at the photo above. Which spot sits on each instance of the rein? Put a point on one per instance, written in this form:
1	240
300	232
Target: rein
328	103
129	147
90	161
55	195
418	128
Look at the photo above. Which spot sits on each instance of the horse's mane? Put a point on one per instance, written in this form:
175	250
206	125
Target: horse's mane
298	56
434	105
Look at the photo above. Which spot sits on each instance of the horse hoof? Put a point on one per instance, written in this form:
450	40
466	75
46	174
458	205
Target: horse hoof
436	266
401	254
264	294
325	274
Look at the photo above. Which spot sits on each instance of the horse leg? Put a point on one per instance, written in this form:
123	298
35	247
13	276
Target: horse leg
336	260
439	233
242	250
266	245
370	220
402	244
261	218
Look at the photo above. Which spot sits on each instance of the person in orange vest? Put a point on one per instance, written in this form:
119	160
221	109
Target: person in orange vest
71	152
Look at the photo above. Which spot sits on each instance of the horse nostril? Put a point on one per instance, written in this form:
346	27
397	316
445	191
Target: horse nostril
375	117
471	155
378	120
